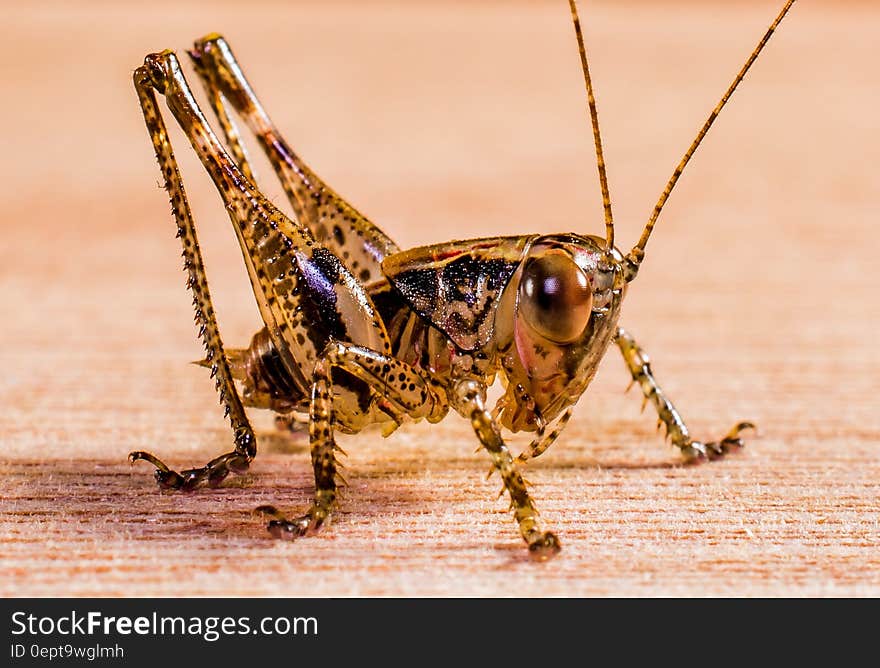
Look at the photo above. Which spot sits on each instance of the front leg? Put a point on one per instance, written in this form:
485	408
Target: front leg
542	440
640	368
470	402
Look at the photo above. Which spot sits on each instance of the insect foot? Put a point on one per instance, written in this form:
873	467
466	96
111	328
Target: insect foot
307	525
166	477
212	473
695	451
545	548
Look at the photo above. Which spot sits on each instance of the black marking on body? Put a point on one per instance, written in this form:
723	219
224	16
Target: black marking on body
464	278
360	389
338	236
317	277
328	264
420	287
396	312
459	296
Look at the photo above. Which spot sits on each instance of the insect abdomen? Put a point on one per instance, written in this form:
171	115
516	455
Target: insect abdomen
267	381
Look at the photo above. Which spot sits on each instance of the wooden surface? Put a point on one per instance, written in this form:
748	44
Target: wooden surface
758	298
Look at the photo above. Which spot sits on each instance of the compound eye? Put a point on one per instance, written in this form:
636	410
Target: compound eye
555	297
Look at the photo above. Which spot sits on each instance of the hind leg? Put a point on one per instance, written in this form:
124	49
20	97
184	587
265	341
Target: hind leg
640	368
335	223
245	448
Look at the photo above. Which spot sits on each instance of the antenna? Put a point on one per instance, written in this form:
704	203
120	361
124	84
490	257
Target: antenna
637	254
597	138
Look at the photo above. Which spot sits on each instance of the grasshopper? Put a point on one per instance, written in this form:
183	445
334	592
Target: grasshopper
358	332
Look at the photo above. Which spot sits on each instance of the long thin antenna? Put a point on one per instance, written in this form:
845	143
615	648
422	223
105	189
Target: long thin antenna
637	254
597	138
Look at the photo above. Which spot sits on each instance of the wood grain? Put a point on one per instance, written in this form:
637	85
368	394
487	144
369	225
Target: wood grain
758	298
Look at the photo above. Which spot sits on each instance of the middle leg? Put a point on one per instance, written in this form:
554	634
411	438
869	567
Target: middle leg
396	388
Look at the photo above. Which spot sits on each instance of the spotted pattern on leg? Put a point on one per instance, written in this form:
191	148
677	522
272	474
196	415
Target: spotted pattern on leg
676	430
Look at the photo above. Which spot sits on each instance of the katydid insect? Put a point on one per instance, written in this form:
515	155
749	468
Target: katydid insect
358	332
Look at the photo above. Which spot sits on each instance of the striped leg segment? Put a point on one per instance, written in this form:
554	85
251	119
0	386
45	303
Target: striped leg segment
245	444
543	440
640	368
395	388
471	403
324	464
335	224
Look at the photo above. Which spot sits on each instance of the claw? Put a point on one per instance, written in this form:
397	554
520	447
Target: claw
286	530
155	461
165	477
171	480
545	548
733	434
237	465
715	450
217	476
694	452
283	529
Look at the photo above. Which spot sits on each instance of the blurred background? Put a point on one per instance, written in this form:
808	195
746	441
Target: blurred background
444	120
